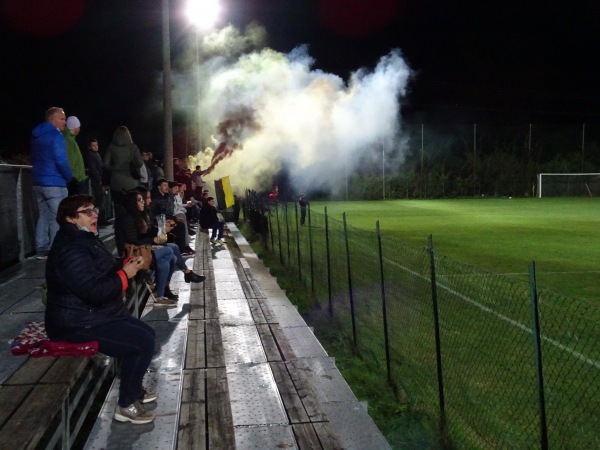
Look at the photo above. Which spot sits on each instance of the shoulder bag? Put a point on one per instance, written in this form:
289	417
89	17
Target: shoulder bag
140	250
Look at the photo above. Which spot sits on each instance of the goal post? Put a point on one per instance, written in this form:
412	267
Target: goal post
568	184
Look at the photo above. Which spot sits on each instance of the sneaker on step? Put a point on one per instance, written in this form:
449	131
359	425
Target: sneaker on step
134	413
164	302
147	396
220	241
213	240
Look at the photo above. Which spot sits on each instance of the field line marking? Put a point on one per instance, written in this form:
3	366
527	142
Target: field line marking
516	324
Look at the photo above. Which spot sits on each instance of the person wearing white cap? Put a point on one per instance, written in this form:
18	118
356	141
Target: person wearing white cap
79	183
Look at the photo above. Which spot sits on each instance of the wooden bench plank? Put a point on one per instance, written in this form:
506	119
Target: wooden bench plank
256	311
329	439
30	422
66	369
211	307
284	346
247	288
31	371
291	401
305	393
268	343
10	399
219	417
306	437
195	357
192	417
270	317
215	356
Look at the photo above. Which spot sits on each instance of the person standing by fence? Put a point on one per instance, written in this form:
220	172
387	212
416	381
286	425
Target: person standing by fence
79	183
51	174
121	155
303	202
93	163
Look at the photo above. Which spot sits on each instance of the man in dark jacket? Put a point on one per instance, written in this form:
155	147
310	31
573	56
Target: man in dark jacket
303	202
163	203
93	164
209	219
51	174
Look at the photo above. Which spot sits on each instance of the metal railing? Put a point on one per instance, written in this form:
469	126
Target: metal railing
19	214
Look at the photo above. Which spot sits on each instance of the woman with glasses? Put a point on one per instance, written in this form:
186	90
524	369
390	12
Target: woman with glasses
131	227
85	302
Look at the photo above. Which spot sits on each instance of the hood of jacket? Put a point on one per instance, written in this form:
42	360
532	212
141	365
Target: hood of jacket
44	128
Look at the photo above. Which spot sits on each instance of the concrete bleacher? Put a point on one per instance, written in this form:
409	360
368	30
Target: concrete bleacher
236	365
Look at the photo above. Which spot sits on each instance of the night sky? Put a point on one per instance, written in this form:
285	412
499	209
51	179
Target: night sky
487	62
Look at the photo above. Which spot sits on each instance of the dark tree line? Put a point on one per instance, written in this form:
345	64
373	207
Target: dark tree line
443	161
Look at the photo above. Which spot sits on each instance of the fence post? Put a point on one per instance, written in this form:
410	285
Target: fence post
279	233
438	346
350	282
20	215
310	247
384	307
246	196
287	232
330	305
537	346
298	243
270	225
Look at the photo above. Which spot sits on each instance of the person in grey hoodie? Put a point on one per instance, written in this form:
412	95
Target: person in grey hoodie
51	174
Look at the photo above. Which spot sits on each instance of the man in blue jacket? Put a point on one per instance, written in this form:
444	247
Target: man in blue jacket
51	173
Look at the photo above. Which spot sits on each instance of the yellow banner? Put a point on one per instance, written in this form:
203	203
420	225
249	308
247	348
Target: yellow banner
229	201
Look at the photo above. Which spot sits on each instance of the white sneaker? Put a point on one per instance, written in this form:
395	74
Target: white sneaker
220	241
133	413
164	303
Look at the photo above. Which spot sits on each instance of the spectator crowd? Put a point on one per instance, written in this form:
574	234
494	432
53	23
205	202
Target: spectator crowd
76	191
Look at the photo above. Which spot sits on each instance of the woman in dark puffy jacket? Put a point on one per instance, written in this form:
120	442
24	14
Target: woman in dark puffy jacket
121	154
85	302
131	227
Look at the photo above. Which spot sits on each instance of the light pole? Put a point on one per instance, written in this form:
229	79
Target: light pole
202	14
167	99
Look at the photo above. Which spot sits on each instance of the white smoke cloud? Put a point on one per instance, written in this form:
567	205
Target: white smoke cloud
314	124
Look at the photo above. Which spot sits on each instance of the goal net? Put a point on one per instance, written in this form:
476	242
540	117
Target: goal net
568	184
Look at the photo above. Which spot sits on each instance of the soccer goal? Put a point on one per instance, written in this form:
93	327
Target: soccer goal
568	184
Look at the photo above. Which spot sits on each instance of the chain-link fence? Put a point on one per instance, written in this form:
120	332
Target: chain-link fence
494	361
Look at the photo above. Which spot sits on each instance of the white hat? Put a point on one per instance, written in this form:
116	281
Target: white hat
73	122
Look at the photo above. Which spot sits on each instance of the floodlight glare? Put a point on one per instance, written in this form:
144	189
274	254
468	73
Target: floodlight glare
203	13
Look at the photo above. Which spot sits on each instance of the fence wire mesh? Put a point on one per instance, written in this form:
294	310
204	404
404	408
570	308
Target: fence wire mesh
485	392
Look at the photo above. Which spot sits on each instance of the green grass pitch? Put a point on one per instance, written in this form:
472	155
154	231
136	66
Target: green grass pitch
500	235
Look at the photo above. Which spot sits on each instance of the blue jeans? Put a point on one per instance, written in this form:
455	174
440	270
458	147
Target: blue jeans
131	340
180	263
167	259
48	199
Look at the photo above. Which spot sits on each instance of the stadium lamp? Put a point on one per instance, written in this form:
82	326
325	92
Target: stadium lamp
203	14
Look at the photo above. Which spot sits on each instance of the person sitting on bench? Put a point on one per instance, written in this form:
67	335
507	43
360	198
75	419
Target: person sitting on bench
210	220
85	303
132	228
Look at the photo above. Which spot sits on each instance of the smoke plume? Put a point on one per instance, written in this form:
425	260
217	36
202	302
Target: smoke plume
262	111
